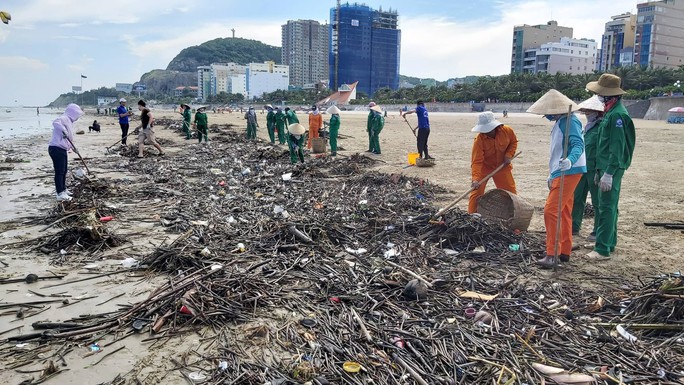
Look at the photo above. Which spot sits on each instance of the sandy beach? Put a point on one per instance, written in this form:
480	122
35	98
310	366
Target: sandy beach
650	193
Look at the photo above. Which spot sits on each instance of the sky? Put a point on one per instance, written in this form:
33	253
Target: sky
50	43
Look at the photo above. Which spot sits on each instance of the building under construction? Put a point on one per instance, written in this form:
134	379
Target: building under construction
365	47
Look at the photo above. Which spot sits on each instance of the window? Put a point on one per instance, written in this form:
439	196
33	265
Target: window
354	23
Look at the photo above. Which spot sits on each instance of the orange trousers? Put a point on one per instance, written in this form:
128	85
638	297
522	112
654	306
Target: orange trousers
313	133
502	179
570	182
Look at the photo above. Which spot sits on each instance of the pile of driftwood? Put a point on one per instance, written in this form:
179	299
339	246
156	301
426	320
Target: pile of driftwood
328	272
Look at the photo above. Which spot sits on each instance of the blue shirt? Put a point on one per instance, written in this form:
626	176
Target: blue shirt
423	121
122	110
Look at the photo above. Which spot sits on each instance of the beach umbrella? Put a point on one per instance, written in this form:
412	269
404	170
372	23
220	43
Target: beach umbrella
5	17
676	109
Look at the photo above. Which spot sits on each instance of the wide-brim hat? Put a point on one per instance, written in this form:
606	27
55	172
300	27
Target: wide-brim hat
201	108
376	108
593	104
551	103
122	100
296	129
486	123
185	105
607	85
269	106
333	110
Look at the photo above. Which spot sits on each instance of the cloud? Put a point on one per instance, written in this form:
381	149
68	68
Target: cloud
21	63
483	46
76	37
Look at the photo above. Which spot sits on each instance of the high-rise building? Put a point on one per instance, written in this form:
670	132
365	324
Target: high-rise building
617	43
527	37
570	56
364	47
305	51
221	78
659	31
203	82
266	77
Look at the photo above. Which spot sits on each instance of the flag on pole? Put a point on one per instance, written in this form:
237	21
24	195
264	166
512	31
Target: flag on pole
83	76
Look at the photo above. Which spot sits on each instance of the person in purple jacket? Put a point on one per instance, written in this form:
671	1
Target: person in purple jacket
60	144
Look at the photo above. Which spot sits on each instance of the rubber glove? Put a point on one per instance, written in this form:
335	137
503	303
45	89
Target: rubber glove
606	183
475	185
565	164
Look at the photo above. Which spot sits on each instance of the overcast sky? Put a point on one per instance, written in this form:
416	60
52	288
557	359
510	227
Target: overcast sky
49	43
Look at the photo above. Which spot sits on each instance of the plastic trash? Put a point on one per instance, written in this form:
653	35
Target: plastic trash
287	177
223	365
470	312
479	250
246	171
106	219
205	252
130	262
363	202
197	377
95	347
278	209
514	247
351	367
79	173
358	251
231	220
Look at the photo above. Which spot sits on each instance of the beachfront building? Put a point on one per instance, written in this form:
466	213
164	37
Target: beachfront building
185	90
364	48
305	51
659	31
203	82
570	56
527	38
617	42
266	77
222	77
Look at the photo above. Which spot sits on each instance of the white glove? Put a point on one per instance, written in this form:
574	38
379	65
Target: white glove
565	164
606	182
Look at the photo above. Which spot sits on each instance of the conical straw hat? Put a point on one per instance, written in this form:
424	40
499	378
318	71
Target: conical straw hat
333	110
296	129
551	103
593	103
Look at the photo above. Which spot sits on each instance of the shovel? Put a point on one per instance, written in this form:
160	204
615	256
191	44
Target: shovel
483	180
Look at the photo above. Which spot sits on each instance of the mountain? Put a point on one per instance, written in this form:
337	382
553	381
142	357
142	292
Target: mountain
222	50
165	81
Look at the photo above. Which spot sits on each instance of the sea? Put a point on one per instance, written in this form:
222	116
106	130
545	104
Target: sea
21	122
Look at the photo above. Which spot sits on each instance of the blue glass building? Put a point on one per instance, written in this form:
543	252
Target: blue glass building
364	47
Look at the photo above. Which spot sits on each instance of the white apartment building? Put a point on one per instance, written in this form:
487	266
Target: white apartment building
221	74
570	56
266	77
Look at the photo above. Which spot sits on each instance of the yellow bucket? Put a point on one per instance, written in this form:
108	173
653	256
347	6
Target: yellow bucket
412	156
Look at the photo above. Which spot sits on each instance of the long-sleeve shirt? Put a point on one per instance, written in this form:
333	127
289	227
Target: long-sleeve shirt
334	125
251	118
489	153
187	115
270	119
201	119
591	133
575	154
616	140
280	119
315	121
377	123
291	117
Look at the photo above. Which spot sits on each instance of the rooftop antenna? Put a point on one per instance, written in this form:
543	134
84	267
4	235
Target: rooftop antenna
233	31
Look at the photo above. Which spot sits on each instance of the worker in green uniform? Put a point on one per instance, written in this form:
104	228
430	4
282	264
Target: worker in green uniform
270	123
280	125
334	128
377	123
201	124
252	123
291	117
296	142
368	126
187	116
614	150
593	110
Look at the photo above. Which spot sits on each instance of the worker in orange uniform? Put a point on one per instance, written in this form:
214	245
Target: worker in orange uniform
315	123
567	164
495	144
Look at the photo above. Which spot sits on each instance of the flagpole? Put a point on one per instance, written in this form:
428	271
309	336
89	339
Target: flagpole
81	90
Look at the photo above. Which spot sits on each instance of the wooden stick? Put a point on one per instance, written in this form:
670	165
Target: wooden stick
641	326
409	272
364	330
556	242
409	369
483	180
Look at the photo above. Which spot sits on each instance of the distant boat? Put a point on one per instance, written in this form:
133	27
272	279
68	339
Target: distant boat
8	110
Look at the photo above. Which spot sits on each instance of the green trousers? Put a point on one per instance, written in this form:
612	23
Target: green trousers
606	225
271	132
281	133
202	131
251	131
370	140
375	143
585	187
333	141
186	129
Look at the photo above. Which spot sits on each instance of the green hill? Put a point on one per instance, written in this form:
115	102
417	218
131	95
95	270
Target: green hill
236	50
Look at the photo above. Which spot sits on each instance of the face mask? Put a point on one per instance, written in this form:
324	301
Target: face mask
551	118
602	99
592	116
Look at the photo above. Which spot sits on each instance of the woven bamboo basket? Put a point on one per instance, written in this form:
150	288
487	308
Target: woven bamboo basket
511	210
318	145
